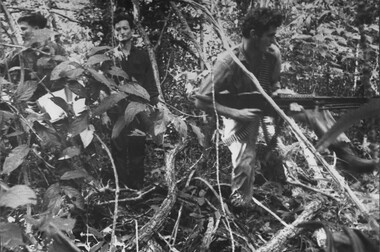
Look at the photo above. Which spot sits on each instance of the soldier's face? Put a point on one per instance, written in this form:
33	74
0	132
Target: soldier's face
26	30
266	39
123	31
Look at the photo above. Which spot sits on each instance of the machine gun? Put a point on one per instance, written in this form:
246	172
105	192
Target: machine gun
307	101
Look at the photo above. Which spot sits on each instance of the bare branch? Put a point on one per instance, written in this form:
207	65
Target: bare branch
117	192
189	33
136	16
159	218
277	242
11	23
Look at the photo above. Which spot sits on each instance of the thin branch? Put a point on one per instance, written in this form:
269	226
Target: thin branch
11	22
279	239
136	16
167	67
176	225
133	199
152	226
297	183
66	17
13	38
269	211
189	33
162	32
25	48
117	192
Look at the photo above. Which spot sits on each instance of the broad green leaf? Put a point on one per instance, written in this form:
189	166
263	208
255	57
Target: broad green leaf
72	74
5	116
50	137
25	90
10	235
63	224
162	117
135	89
53	199
18	195
117	71
118	127
50	224
77	89
96	59
75	174
97	49
197	131
45	62
180	126
132	110
60	70
70	152
60	102
79	124
160	127
101	78
15	158
109	102
74	195
4	81
87	135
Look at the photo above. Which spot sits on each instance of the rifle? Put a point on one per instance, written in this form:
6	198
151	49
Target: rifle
307	101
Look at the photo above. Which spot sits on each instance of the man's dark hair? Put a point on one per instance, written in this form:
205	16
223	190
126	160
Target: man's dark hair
260	20
35	19
123	16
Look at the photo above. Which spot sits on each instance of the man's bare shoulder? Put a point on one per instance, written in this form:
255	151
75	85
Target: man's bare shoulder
225	57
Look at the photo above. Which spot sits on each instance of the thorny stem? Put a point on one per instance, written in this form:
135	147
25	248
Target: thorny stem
136	15
117	192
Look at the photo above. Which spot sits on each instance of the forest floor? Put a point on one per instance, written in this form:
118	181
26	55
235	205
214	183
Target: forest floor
202	218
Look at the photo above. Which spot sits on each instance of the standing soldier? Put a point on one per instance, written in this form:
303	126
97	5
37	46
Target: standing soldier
37	40
128	149
259	54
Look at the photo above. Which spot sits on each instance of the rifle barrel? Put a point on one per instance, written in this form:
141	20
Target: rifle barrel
256	100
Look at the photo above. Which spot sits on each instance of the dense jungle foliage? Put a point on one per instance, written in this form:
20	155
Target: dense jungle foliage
57	179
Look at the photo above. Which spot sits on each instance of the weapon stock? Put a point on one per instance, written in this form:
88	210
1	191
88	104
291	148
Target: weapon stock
256	100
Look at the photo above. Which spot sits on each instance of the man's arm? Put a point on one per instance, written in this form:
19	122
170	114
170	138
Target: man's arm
277	68
150	82
220	80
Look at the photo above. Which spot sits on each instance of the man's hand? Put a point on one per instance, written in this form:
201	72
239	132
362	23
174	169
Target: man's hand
246	114
106	120
295	107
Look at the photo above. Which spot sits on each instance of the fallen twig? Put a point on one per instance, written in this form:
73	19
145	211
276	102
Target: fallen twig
151	227
277	242
207	238
270	212
136	15
117	192
132	199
